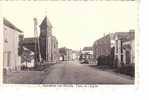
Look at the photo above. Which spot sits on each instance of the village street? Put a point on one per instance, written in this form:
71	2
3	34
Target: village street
72	72
67	72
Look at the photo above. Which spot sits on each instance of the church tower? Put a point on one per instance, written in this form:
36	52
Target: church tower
45	39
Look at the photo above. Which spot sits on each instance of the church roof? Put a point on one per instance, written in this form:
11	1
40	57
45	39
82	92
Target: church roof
46	22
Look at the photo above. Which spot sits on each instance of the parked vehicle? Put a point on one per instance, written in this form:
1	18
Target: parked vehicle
84	61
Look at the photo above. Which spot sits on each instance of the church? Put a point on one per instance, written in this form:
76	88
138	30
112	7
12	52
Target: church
47	41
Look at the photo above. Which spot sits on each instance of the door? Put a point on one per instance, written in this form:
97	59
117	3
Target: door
128	57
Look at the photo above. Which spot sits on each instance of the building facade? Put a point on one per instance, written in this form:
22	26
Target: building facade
117	48
103	50
27	58
47	49
66	54
124	47
103	46
11	57
87	53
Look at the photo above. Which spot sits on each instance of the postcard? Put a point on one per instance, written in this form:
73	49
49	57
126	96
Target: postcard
69	42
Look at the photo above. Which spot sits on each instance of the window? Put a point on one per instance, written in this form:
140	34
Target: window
121	58
8	58
116	46
121	47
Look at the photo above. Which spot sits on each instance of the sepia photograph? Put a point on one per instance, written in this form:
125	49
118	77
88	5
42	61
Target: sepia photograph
69	42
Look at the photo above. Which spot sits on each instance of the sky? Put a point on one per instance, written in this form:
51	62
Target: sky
76	24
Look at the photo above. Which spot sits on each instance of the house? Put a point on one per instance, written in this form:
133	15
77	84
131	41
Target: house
75	55
114	49
103	46
66	54
27	58
87	50
87	53
11	57
29	43
103	50
124	47
129	51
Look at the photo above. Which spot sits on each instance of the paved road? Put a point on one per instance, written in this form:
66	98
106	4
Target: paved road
72	72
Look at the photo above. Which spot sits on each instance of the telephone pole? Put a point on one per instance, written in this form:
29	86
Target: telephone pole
37	46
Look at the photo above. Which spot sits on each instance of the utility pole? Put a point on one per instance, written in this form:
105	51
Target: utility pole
37	46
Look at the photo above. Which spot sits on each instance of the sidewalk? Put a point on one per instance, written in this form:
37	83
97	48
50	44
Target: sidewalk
34	76
109	69
24	77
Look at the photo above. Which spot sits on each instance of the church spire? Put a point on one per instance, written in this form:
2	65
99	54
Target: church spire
45	27
46	22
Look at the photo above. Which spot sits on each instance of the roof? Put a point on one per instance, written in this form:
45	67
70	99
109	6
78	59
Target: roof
28	40
125	36
87	49
46	22
29	43
26	49
10	25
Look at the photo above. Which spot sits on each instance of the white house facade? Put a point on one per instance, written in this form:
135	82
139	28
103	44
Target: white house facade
11	59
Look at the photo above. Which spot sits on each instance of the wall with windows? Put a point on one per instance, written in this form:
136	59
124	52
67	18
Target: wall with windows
11	60
124	48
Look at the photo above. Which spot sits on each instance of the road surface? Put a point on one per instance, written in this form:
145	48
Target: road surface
72	72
